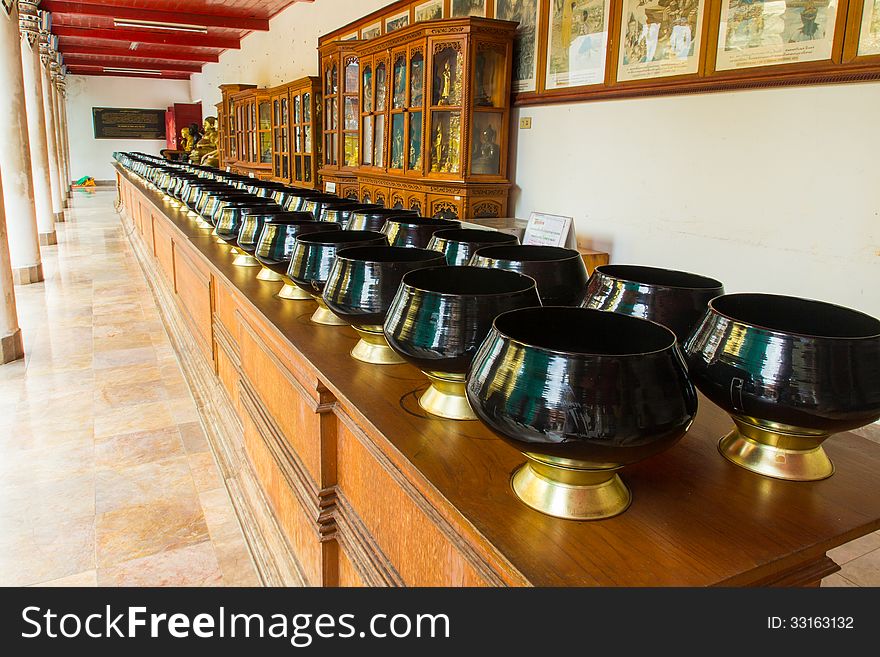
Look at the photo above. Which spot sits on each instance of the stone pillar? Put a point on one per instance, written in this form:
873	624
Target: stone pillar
11	347
15	156
61	85
33	98
48	112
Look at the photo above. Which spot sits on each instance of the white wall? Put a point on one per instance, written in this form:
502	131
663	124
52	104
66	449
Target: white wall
92	157
771	190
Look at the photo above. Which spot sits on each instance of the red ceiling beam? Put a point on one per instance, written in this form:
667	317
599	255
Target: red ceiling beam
132	13
145	76
146	36
79	60
70	48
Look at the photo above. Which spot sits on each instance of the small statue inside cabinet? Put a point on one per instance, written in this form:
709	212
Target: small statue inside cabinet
399	86
397	149
417	80
452	154
486	156
445	84
483	97
205	151
437	160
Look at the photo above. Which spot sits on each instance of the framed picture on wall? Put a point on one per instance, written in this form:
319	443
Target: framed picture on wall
397	21
525	46
350	37
461	8
577	43
371	31
428	11
863	32
659	39
754	33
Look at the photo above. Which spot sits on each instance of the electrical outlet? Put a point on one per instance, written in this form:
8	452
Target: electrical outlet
525	123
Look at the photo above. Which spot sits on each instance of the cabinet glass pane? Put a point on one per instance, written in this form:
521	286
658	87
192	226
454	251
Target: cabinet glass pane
351	149
276	112
368	89
331	80
416	80
296	109
351	77
284	167
368	140
284	113
307	168
485	150
334	114
351	112
307	106
397	127
398	97
297	167
415	140
266	147
297	144
447	77
328	150
488	76
265	116
335	148
445	142
307	138
379	142
381	87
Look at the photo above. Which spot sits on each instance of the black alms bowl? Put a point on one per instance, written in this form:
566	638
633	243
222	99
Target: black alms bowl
279	236
808	365
440	315
560	273
675	299
459	244
314	253
583	385
409	230
364	280
373	218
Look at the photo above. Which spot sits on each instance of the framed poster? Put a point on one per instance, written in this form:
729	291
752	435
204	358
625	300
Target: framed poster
468	8
371	31
350	37
525	45
869	34
428	11
577	43
396	22
659	38
767	33
128	123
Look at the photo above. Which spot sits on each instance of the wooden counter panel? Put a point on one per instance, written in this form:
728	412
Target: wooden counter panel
298	527
164	249
227	372
147	231
420	552
348	575
225	307
193	286
285	399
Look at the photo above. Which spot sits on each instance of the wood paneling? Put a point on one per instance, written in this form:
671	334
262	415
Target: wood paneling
164	249
348	576
193	287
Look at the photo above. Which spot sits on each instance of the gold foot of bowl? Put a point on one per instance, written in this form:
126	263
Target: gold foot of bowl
373	348
438	319
790	372
267	274
324	316
581	393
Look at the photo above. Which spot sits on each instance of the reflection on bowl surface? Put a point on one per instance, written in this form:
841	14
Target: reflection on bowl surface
314	253
414	231
459	244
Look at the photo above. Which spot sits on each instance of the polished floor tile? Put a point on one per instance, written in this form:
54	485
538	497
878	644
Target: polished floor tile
106	476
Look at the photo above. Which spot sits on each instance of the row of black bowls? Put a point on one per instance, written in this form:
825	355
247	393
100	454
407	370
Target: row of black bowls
602	374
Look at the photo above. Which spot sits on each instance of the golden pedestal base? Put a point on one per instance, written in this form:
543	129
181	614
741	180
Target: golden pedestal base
324	316
446	397
373	348
567	492
243	259
293	292
267	274
777	451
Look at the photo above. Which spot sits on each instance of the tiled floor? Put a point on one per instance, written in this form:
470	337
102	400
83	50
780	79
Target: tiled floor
106	477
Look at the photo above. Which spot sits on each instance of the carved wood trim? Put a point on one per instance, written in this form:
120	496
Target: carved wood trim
226	342
803	574
368	559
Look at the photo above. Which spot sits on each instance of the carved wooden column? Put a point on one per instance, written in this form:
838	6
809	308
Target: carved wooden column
33	92
15	157
46	57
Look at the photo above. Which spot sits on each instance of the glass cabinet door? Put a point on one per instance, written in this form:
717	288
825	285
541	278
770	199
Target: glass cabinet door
397	141
446	100
307	136
331	107
416	92
285	139
276	137
265	132
351	112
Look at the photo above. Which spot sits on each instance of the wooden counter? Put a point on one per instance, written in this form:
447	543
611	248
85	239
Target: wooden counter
339	478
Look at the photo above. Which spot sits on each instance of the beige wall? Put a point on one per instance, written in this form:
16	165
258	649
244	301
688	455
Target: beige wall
771	190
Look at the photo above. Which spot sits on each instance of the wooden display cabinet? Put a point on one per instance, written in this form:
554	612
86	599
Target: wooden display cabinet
435	117
340	74
226	123
296	120
253	133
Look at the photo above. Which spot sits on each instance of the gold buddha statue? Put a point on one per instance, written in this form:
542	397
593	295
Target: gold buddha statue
186	140
205	152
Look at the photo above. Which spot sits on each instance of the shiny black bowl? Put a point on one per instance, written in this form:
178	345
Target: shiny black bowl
361	287
676	299
790	372
374	218
252	223
560	273
409	230
440	316
275	247
581	393
459	244
340	210
313	256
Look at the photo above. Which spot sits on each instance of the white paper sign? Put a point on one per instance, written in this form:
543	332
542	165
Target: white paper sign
547	230
330	187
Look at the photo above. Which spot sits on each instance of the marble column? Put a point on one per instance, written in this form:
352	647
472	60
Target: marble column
54	74
11	347
33	98
15	156
61	86
46	57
